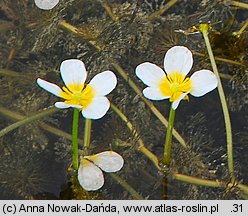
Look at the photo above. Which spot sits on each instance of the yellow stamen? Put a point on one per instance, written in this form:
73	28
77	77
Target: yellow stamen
85	162
92	157
78	95
174	85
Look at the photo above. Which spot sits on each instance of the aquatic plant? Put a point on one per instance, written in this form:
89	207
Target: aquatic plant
26	174
119	35
174	84
91	101
46	4
90	175
88	98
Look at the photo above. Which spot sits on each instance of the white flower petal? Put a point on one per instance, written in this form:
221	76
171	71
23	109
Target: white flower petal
46	4
73	72
178	59
203	81
62	105
150	74
108	161
90	177
50	87
154	93
176	103
103	83
97	109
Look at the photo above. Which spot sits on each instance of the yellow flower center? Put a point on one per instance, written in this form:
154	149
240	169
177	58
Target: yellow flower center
174	85
85	162
78	95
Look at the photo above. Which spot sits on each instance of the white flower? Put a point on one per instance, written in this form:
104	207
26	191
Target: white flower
46	4
90	174
174	84
90	98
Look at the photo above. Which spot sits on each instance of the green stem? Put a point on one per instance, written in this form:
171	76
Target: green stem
155	111
238	4
10	73
198	181
125	76
162	10
125	185
87	133
242	29
204	29
168	139
26	120
108	9
75	138
229	61
5	26
180	177
17	117
141	147
76	31
209	183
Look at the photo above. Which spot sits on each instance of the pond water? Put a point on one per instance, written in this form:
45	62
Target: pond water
118	35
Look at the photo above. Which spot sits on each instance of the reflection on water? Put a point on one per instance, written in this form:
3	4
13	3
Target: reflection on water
35	157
